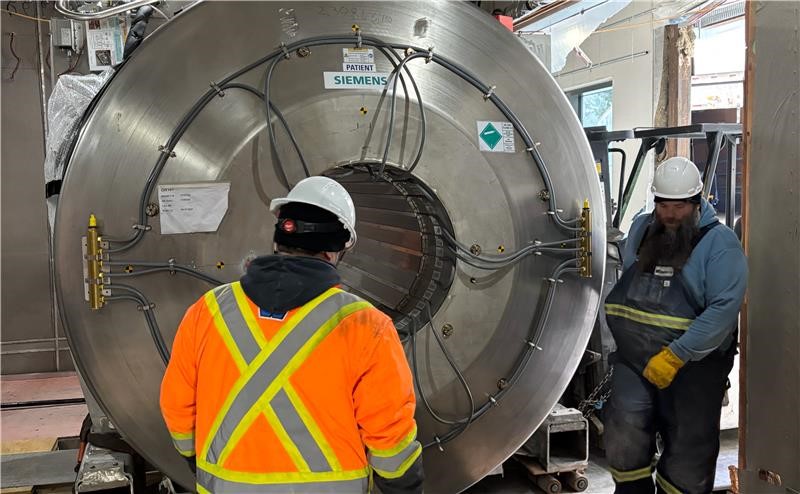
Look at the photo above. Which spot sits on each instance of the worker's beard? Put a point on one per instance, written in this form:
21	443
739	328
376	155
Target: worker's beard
667	247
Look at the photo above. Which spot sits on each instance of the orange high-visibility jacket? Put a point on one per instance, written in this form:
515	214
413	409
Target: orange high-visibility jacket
313	400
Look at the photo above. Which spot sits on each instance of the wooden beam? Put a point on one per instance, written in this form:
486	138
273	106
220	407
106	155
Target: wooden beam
674	105
747	117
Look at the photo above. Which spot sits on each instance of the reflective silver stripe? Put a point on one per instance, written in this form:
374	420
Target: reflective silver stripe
299	433
184	446
391	464
272	367
240	332
217	485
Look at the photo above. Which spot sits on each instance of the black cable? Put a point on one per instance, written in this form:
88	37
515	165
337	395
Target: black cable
393	104
393	59
531	344
147	308
452	364
272	139
14	53
171	268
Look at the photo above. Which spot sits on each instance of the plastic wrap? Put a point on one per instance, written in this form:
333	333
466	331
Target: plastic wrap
68	101
570	33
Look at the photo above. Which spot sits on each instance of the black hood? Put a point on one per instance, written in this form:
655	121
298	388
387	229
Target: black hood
282	283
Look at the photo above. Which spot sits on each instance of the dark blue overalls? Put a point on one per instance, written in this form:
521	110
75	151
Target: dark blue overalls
646	312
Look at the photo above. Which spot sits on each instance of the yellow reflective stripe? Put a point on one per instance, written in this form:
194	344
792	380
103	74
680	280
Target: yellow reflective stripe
294	363
403	468
668	488
281	477
313	428
256	364
181	440
201	489
679	321
247	314
224	332
385	453
660	320
631	475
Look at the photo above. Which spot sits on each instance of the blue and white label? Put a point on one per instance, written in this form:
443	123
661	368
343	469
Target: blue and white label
355	80
358	67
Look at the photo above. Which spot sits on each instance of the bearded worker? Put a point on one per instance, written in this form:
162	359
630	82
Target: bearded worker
674	317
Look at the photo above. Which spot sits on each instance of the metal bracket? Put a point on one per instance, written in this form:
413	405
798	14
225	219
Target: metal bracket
164	150
285	50
489	95
429	58
216	88
146	228
533	345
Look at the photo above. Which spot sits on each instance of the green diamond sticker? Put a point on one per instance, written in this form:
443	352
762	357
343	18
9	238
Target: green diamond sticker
490	135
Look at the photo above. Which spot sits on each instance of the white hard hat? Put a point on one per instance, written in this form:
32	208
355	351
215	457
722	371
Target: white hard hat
324	193
677	178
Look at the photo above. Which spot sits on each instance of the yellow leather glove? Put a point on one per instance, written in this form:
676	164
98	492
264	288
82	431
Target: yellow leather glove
662	367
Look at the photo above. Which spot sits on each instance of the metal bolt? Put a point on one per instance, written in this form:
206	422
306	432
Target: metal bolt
151	209
447	330
475	249
303	51
502	383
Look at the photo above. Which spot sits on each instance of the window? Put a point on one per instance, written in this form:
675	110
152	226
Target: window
593	105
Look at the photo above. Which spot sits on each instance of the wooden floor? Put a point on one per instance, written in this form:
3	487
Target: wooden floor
37	429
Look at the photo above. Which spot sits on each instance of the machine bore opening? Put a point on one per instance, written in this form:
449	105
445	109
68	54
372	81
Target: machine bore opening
401	262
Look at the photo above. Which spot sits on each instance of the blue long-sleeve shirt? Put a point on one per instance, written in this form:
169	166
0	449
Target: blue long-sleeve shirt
715	275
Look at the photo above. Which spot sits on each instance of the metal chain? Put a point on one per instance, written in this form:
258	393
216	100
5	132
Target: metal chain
588	406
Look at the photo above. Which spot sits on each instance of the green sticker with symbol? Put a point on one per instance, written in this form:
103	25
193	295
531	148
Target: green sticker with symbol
496	137
490	135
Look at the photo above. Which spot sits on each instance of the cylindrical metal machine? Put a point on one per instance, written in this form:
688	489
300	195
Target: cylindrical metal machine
486	254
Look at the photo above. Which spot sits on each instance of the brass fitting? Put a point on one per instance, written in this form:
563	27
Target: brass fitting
585	254
93	265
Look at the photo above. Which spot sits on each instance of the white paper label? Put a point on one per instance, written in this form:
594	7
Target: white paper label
358	67
496	137
355	80
192	208
105	41
358	55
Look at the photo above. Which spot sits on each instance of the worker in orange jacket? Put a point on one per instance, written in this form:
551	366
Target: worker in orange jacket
283	382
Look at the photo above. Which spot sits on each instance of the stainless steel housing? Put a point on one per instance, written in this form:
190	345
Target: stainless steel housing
492	200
